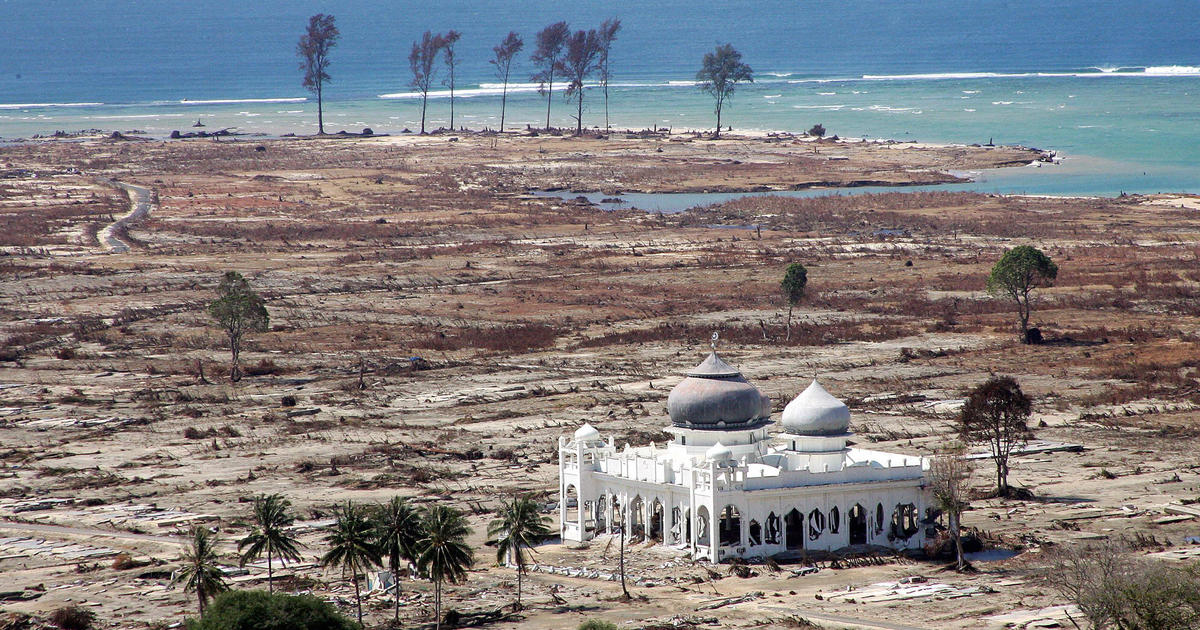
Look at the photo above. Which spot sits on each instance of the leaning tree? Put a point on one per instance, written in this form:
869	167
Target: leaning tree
237	310
720	72
1018	272
997	413
313	50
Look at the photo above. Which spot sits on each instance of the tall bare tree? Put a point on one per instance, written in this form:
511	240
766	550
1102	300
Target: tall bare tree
550	42
948	475
313	49
448	41
502	60
576	64
422	60
608	34
720	72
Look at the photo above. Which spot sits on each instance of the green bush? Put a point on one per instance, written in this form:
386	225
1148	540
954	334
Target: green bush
597	624
260	610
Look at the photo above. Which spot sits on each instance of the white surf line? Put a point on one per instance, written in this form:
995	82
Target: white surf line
139	200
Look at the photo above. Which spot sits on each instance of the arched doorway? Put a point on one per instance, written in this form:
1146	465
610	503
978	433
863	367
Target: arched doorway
637	514
858	525
904	522
793	530
702	523
731	526
835	520
571	499
656	521
755	532
602	514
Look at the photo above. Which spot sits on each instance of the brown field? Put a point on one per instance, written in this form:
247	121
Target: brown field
530	316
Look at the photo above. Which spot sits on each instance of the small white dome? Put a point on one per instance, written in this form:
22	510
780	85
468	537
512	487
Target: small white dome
586	433
718	453
816	412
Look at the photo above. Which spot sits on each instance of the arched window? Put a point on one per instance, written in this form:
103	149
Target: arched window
835	520
773	527
879	518
702	525
904	522
816	524
755	533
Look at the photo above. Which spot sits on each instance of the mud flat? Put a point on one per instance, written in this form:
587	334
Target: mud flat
485	322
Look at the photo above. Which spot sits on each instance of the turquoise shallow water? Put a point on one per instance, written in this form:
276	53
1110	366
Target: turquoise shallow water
1111	86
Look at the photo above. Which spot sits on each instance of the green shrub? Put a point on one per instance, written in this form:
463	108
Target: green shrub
260	610
597	624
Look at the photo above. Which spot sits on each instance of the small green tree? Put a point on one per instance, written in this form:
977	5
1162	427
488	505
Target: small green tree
948	475
200	572
795	280
1018	272
444	554
238	310
352	546
519	526
398	530
997	414
269	535
720	72
817	131
257	610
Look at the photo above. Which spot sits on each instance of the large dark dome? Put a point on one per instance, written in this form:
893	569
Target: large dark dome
716	396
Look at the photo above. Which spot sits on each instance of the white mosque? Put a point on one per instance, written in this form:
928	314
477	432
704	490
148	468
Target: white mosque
726	488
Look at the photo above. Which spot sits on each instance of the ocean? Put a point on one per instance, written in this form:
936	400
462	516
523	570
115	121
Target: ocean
1114	87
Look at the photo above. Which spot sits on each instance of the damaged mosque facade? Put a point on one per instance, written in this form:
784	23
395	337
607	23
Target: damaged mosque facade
724	487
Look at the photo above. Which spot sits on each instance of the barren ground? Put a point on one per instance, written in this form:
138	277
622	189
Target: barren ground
485	322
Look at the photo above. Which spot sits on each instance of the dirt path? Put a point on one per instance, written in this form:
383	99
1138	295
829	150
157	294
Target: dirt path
139	200
852	622
62	530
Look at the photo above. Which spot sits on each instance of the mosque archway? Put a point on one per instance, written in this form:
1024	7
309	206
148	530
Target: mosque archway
702	523
755	531
637	516
858	525
602	513
571	498
731	526
816	524
904	522
835	520
774	525
793	530
656	521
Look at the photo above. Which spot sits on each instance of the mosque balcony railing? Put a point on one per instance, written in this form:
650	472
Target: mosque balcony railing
735	479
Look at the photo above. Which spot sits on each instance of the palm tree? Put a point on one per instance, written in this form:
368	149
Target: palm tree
352	546
444	554
271	520
398	529
518	527
200	572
